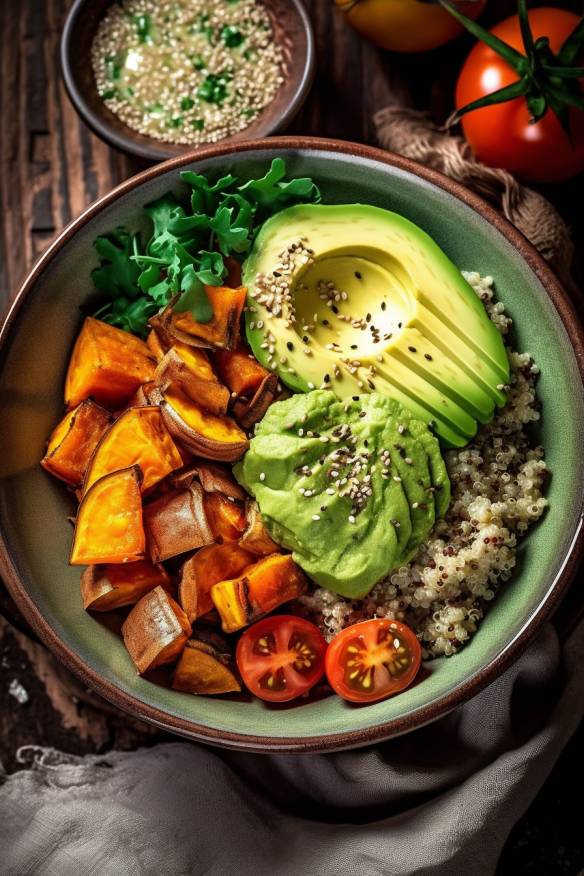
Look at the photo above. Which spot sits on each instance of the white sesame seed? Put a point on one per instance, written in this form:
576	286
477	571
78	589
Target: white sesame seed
262	476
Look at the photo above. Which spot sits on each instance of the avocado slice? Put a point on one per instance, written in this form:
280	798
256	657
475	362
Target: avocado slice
359	299
333	488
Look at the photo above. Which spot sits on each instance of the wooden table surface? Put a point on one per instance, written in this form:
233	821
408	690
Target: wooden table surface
52	167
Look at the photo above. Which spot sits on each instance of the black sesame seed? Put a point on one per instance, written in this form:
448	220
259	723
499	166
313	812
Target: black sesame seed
355	397
325	322
305	339
399	325
334	309
368	317
412	349
290	345
353	346
327	378
428	357
383	305
358	275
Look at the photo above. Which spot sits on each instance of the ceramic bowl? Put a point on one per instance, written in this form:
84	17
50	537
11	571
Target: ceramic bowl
292	31
36	343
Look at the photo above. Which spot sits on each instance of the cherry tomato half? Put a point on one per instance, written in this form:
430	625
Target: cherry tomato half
502	135
372	660
281	657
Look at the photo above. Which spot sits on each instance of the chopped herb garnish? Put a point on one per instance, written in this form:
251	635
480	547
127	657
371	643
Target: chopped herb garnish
143	24
231	36
175	122
187	103
198	62
199	124
213	89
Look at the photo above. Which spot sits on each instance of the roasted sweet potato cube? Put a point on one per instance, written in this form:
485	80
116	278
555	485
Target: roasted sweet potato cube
248	413
239	370
139	436
226	518
259	589
109	526
221	332
214	478
156	346
188	369
73	441
207	567
201	432
155	631
107	364
256	537
105	588
204	669
176	523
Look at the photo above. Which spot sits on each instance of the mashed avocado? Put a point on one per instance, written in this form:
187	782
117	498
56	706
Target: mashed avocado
350	487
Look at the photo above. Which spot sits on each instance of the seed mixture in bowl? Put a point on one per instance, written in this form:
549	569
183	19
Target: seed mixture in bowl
187	71
497	482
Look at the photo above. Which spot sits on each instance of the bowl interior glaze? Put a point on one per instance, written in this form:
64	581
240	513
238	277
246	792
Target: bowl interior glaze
34	507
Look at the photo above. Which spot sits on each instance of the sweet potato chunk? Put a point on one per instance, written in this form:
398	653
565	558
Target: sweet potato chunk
248	413
204	669
155	631
217	562
189	369
222	331
261	588
176	523
107	364
214	478
256	537
239	370
109	526
73	441
104	588
226	519
155	344
139	436
201	432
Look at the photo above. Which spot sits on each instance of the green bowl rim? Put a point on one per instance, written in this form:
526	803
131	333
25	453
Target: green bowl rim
397	726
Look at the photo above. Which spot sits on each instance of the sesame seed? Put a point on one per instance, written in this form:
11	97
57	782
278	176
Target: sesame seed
316	516
262	476
352	518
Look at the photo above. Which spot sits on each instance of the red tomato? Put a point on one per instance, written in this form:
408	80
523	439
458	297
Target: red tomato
372	660
281	657
501	135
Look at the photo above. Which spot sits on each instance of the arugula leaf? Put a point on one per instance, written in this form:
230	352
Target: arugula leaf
194	298
116	275
205	197
211	268
229	237
272	193
132	316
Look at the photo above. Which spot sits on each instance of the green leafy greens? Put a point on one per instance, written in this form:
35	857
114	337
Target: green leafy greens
188	245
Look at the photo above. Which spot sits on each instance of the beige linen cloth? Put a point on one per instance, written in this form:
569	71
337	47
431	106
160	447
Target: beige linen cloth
441	800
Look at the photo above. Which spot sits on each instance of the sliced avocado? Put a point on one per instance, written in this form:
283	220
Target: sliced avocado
359	299
308	452
438	471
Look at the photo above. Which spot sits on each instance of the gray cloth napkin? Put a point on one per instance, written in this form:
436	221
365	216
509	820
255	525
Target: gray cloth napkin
441	800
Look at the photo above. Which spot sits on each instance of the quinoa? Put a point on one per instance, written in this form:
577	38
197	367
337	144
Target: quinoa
497	483
187	71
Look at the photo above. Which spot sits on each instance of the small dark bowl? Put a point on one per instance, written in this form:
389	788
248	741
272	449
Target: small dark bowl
292	31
